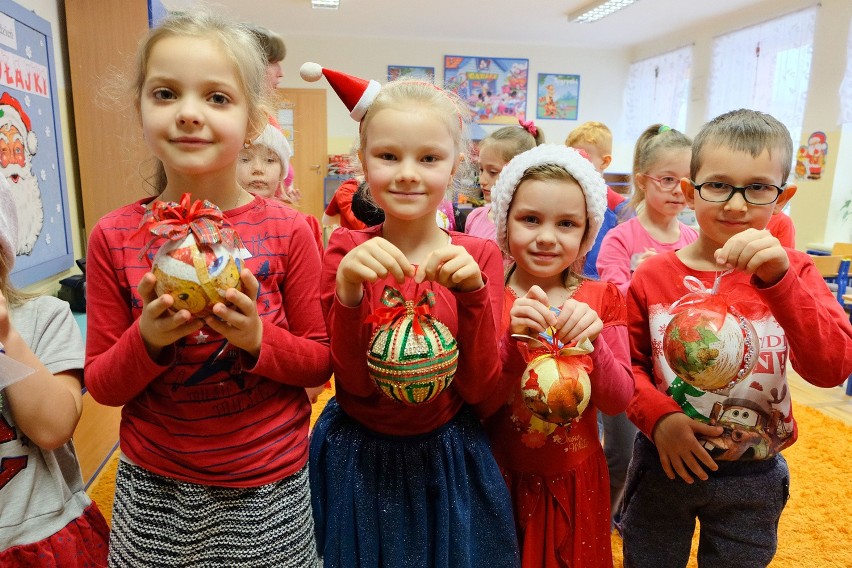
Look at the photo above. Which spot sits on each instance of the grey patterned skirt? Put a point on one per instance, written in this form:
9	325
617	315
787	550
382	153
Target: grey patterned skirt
158	521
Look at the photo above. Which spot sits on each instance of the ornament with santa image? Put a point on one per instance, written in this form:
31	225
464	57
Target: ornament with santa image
412	356
201	258
708	343
555	385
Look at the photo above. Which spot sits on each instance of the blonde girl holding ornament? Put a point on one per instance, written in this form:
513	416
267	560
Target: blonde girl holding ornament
660	161
495	151
214	430
399	481
549	204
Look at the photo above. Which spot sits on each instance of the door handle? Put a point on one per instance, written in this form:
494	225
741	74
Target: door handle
316	168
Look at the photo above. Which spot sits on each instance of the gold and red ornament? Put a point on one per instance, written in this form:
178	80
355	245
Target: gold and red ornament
412	356
201	258
709	343
555	385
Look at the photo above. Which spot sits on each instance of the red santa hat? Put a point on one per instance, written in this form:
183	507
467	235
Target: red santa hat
12	114
357	94
820	137
275	140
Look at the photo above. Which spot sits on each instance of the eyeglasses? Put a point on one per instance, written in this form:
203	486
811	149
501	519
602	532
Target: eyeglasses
666	182
755	193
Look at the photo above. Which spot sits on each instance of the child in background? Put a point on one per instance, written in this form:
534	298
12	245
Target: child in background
214	428
660	160
261	167
495	151
395	484
46	518
595	139
548	205
715	455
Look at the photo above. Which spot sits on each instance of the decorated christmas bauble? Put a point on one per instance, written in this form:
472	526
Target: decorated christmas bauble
196	275
557	388
413	356
708	349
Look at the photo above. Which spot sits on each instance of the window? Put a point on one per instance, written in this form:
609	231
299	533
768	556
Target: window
657	90
765	67
846	86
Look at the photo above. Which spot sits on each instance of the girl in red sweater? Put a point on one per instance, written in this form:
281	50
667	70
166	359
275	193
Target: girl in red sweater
549	203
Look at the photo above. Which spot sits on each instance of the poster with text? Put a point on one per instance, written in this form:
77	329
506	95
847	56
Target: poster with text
558	96
31	155
494	88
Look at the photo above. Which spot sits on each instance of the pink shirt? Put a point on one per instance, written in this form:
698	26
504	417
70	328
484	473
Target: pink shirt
479	225
622	246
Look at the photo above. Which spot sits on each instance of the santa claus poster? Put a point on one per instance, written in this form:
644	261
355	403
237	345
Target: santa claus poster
31	157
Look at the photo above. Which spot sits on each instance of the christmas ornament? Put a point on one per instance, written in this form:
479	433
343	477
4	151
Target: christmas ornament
708	343
412	355
555	386
201	258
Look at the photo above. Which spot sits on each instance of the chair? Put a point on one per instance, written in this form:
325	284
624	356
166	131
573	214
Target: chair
835	270
842	249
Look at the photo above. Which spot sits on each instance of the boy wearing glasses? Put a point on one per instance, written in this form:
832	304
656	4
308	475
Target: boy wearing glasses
715	454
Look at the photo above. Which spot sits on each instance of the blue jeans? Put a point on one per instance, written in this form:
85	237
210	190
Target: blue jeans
739	507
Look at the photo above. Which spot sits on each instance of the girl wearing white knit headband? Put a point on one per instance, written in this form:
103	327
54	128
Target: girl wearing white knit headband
549	204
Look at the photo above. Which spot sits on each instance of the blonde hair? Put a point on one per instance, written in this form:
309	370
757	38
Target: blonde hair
408	94
744	130
593	133
510	141
270	42
14	297
239	45
652	143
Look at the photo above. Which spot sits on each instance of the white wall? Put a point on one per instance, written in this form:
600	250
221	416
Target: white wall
602	75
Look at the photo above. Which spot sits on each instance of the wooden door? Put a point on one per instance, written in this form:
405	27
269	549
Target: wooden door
310	145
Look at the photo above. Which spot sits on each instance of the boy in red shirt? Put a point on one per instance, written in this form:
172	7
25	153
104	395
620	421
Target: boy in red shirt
715	454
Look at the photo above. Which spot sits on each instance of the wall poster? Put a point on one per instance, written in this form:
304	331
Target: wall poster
495	88
558	96
31	154
409	72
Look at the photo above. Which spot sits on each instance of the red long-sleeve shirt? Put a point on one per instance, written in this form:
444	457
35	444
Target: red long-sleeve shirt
227	420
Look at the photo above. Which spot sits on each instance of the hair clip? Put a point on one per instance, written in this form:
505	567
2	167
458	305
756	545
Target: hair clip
663	128
529	126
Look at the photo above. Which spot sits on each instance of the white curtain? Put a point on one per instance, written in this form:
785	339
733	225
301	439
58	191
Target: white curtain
765	67
846	85
657	90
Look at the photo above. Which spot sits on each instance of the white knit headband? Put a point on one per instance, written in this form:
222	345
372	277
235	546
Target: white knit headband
581	169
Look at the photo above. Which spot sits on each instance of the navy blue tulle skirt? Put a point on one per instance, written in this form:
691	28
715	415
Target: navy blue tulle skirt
432	500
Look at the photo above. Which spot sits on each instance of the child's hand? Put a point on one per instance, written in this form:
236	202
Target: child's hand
680	450
369	262
577	320
452	267
159	326
239	322
530	314
755	252
643	256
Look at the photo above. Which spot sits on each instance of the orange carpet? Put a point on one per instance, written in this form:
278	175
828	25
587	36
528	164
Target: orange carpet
815	527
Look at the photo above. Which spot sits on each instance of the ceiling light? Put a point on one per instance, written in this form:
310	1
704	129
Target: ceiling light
326	4
597	10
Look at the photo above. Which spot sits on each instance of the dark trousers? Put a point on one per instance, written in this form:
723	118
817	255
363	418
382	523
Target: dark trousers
738	507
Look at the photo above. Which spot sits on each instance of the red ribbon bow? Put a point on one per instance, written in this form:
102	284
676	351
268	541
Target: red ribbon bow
396	307
174	221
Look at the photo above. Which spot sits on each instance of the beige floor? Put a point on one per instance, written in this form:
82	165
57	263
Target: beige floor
832	402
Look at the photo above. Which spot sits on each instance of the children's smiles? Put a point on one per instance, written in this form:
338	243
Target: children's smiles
409	160
546	224
722	220
194	116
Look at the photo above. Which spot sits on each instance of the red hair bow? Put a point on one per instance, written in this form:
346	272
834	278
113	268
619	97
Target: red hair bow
529	126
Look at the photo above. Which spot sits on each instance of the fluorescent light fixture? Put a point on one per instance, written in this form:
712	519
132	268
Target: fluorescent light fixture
597	10
325	4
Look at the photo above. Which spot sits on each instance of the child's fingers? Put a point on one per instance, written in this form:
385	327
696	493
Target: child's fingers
145	289
250	284
536	293
397	263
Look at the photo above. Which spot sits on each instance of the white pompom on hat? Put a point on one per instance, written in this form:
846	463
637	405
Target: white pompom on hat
573	162
356	93
275	140
8	223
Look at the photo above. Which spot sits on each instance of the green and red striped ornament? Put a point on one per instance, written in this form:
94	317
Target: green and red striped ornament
412	355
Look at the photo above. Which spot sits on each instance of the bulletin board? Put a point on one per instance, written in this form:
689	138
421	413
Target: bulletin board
31	152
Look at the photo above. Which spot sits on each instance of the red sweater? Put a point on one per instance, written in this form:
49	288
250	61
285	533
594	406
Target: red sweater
472	317
796	319
231	420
